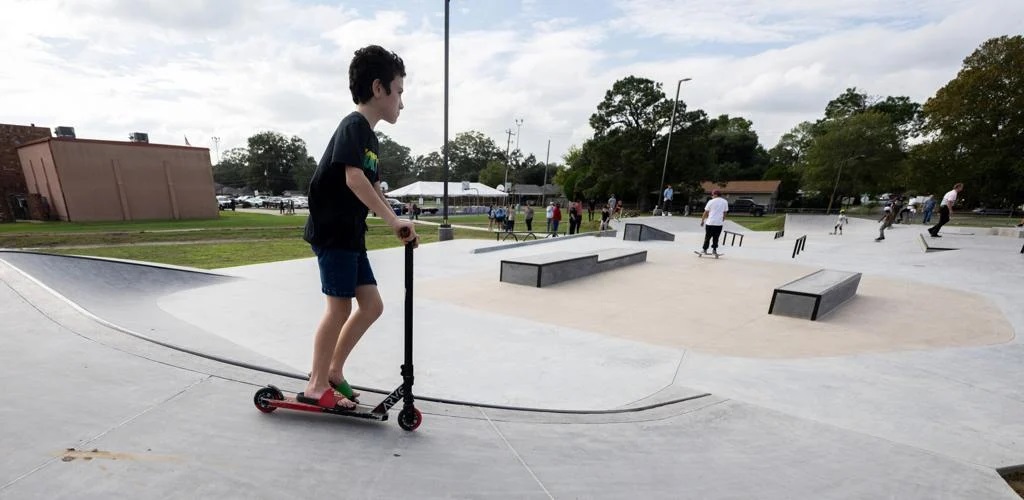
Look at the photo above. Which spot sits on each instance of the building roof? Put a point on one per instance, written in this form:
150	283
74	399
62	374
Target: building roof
435	189
742	187
115	143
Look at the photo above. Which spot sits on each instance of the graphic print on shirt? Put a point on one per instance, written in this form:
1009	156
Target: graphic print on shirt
369	160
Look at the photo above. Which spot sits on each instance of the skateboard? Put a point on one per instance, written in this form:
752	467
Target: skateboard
702	254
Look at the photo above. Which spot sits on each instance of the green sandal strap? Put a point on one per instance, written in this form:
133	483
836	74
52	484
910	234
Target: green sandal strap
344	388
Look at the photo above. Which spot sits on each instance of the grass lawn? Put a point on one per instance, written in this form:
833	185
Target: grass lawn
226	220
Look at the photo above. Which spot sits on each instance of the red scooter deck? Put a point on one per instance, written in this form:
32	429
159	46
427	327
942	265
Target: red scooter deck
270	398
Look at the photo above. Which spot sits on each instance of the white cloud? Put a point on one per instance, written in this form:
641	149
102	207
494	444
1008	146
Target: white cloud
230	69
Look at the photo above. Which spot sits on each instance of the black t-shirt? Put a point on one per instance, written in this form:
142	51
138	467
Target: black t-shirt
337	219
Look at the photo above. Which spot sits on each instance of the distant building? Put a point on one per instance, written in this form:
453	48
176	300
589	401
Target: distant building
73	179
13	202
762	192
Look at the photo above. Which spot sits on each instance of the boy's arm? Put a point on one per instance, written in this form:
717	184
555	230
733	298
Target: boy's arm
363	190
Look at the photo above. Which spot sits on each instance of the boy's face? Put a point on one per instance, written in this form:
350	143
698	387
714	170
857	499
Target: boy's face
390	105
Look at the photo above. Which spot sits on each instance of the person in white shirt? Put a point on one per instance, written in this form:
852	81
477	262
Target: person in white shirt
713	220
840	222
549	212
666	208
946	209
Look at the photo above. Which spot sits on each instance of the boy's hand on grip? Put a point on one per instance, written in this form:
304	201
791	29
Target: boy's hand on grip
406	231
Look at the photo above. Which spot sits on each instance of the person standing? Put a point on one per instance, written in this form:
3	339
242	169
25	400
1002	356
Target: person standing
344	188
549	212
666	208
528	217
713	220
556	217
929	207
946	209
612	204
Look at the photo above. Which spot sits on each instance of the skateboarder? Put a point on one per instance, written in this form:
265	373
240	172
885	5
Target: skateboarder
946	209
840	222
885	222
713	220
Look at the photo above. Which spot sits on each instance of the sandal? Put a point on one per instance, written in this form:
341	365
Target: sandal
346	390
328	400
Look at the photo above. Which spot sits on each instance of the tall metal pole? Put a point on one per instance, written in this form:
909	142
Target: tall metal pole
519	123
444	218
671	127
508	159
543	187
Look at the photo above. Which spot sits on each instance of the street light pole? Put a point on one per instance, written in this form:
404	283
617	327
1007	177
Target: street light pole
671	126
836	186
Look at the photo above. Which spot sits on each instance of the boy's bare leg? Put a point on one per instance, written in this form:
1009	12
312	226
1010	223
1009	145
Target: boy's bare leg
370	307
334	319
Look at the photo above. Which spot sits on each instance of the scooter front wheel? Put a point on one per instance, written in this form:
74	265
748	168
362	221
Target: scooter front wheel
264	394
409	418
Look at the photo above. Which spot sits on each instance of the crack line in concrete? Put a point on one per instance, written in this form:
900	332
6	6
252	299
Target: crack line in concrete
105	432
516	453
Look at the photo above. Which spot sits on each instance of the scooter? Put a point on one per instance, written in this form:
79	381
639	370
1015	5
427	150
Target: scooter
270	398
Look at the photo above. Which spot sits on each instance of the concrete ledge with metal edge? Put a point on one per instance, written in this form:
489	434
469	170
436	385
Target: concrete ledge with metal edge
931	248
541	241
814	295
551	268
643	232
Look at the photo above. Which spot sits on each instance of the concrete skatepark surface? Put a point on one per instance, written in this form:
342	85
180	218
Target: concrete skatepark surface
910	390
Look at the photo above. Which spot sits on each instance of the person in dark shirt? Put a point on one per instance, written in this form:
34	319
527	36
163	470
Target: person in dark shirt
344	188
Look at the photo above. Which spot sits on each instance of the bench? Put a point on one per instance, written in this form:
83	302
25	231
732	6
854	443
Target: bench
550	268
814	295
643	232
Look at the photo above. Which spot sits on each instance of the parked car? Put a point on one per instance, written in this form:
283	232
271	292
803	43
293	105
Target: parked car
223	202
746	206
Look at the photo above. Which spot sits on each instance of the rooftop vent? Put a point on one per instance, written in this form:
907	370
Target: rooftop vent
139	137
68	132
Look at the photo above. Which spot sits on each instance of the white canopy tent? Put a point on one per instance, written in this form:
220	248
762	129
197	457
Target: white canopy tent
432	189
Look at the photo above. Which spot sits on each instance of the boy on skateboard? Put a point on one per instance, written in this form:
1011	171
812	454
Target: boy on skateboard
344	188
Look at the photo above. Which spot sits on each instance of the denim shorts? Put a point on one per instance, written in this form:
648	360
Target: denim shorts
341	271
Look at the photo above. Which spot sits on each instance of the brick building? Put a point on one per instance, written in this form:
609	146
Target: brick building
73	179
13	190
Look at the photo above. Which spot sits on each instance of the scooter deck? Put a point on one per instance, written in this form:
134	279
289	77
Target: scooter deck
360	411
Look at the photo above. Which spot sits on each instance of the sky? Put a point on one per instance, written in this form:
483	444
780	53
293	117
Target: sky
227	69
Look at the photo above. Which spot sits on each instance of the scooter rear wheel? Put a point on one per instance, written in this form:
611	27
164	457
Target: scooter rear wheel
264	394
409	418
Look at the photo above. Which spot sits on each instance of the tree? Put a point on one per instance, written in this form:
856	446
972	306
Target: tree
737	152
231	169
429	167
866	146
977	122
621	155
847	104
395	162
494	173
273	161
469	153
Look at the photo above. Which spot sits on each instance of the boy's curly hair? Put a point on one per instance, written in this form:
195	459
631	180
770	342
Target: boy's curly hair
371	63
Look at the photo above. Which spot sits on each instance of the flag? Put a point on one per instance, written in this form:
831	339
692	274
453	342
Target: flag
186	141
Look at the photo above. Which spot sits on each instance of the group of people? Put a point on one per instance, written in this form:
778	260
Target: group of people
894	211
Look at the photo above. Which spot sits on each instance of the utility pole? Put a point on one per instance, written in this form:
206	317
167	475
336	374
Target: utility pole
445	231
543	187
